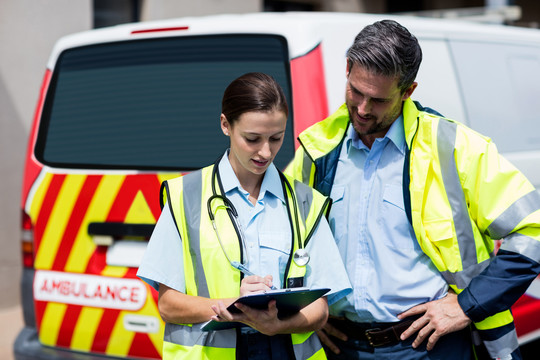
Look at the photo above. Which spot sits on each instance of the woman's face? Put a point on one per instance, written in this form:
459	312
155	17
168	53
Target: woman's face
256	138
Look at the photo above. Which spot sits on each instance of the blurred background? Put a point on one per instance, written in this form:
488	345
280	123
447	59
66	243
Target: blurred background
29	29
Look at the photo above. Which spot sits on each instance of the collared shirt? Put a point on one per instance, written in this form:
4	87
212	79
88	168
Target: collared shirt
267	234
388	270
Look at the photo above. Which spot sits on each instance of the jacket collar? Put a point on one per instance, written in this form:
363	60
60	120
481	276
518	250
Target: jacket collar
410	115
325	135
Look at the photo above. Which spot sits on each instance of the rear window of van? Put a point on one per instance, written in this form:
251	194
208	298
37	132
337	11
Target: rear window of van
152	104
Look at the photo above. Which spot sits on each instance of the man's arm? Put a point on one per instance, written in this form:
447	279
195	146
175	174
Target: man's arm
499	286
503	204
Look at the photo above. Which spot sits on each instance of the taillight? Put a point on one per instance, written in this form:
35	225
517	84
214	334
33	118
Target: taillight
27	241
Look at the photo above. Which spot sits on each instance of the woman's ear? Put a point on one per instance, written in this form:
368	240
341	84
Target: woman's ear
225	126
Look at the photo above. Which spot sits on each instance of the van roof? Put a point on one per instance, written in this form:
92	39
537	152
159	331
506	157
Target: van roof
302	29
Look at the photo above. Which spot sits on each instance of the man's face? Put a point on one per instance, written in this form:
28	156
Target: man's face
374	102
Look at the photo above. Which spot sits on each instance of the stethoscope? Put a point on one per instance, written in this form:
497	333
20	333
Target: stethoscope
300	256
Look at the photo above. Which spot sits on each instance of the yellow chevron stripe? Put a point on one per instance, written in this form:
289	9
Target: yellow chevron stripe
99	207
58	220
121	339
114	271
51	323
39	195
139	212
86	328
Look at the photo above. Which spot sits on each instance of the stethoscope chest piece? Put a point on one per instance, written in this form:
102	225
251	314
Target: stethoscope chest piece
301	257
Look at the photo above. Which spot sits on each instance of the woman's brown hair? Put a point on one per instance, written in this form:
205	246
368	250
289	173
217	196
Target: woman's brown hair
253	92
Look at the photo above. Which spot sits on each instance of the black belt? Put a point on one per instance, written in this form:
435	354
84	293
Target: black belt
376	334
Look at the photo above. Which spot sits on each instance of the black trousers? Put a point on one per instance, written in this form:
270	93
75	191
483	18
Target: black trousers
257	346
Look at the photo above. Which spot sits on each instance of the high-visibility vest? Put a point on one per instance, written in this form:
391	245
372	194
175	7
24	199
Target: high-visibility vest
208	273
452	181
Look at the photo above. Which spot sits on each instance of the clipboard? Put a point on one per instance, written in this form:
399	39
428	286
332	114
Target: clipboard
288	302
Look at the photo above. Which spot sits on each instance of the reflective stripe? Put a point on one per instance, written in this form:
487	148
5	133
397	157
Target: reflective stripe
192	201
514	214
446	137
523	245
495	321
306	168
304	195
503	346
193	335
461	279
306	345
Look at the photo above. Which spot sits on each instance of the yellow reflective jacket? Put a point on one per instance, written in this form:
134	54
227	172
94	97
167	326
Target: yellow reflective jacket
208	273
460	194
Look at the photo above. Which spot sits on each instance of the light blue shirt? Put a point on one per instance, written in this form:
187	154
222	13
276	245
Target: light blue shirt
267	233
388	270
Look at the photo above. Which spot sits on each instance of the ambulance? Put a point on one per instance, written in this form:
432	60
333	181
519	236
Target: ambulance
122	109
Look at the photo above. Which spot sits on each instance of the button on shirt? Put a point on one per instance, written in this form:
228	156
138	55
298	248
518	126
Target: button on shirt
388	270
267	235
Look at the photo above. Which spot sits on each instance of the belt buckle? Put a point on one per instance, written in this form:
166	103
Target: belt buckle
369	338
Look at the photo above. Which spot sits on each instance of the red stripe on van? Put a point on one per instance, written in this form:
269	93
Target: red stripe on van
71	316
77	215
131	273
525	312
143	346
46	208
32	167
147	185
39	307
104	330
310	102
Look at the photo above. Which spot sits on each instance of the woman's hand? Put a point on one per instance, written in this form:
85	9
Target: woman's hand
255	284
265	321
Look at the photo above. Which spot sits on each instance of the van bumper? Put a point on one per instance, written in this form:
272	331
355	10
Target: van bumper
28	347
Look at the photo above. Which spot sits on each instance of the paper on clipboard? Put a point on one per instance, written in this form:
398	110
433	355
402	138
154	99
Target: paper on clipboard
288	302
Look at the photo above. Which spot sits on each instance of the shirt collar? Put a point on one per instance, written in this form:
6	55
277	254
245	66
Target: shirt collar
271	182
396	134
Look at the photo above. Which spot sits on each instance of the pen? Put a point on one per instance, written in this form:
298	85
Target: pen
246	271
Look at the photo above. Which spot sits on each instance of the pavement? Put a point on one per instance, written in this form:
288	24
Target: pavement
11	322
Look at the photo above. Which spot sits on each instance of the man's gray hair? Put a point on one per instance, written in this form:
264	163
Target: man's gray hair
387	48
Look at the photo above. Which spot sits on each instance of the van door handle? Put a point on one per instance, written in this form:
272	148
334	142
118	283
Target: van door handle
103	233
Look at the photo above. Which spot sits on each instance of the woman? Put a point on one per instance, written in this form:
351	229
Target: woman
242	212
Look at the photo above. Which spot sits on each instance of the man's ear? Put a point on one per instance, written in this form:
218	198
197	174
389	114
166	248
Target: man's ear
407	94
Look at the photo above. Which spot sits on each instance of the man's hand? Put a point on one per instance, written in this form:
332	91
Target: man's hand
440	317
326	332
255	284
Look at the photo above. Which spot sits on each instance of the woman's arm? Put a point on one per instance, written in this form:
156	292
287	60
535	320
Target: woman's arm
311	318
178	308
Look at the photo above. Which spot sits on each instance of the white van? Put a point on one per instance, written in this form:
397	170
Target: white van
124	108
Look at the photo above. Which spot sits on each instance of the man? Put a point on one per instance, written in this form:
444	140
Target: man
417	202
